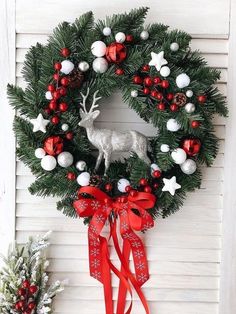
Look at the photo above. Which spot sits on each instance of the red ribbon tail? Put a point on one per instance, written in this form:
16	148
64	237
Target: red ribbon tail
106	275
122	289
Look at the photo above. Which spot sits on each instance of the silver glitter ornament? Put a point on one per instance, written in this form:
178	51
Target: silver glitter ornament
65	159
80	165
134	93
144	35
189	107
174	46
189	166
83	66
108	141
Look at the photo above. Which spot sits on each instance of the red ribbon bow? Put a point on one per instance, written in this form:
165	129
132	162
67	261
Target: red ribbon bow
132	213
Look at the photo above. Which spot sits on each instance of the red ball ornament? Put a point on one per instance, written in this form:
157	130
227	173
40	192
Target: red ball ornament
56	76
51	88
195	124
119	71
31	305
21	292
148	81
65	52
159	96
143	182
108	187
55	120
155	185
63	106
156	80
62	91
116	52
174	107
146	91
53	145
56	94
33	289
21	304
202	99
154	93
47	111
65	81
191	146
26	284
52	105
156	174
71	176
128	188
165	84
145	68
161	106
129	38
169	96
57	66
137	79
69	136
147	189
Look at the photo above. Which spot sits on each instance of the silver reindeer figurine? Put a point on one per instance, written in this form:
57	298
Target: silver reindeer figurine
109	141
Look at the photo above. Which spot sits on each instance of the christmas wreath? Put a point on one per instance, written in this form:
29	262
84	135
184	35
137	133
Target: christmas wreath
167	84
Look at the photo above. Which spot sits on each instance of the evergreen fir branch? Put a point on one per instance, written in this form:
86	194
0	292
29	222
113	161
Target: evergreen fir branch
66	207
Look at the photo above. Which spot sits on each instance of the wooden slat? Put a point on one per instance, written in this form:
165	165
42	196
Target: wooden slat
32	18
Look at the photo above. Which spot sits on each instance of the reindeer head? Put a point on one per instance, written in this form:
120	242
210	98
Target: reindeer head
87	117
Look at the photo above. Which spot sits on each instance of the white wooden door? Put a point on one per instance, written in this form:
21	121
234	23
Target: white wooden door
184	251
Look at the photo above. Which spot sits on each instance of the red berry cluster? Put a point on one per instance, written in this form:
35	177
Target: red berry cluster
58	90
26	294
155	88
149	186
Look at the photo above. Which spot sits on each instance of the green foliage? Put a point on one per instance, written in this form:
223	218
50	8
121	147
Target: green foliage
78	37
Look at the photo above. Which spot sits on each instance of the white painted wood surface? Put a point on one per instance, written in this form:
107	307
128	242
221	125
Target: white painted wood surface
184	251
7	138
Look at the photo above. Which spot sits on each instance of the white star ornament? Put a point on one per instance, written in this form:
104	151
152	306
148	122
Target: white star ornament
170	185
158	60
39	123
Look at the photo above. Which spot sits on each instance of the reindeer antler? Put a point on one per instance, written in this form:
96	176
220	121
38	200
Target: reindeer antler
95	99
83	104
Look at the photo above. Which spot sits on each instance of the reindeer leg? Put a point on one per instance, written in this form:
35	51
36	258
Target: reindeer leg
99	159
107	156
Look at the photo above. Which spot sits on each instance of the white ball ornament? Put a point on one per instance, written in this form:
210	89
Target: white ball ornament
80	165
189	166
100	65
48	163
122	184
189	107
174	46
179	156
182	80
39	153
134	93
189	93
83	66
65	127
165	148
48	95
172	125
98	48
83	179
106	31
67	66
120	37
65	159
154	167
144	35
165	71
